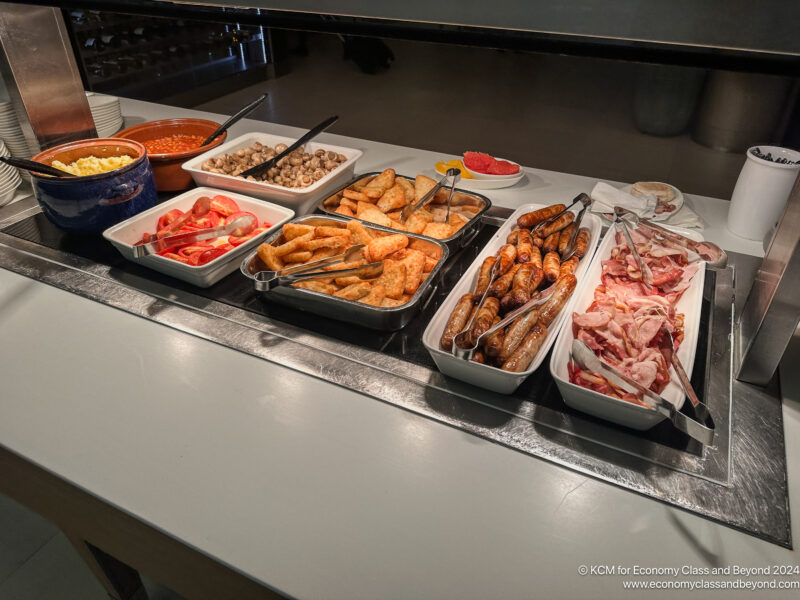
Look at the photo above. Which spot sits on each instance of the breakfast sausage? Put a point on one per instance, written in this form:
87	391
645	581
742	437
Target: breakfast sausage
478	357
524	246
458	319
507	254
502	284
494	343
536	279
520	292
551	266
484	277
550	309
484	319
582	242
537	241
532	219
568	266
563	238
516	332
551	243
513	237
536	257
557	225
527	351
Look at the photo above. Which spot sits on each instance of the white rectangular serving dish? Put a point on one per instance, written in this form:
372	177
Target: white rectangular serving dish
124	235
291	197
612	409
486	376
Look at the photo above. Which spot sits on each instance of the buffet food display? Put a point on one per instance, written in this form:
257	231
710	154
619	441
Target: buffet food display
375	257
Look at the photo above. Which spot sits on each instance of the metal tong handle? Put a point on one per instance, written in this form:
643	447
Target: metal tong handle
571	246
468	326
715	256
647	274
415	206
266	281
456	175
581	198
587	359
160	244
700	410
466	353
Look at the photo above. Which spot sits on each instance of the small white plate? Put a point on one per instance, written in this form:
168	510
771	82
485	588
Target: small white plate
486	184
677	202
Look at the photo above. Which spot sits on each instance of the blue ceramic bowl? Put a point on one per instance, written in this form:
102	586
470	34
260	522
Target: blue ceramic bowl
92	204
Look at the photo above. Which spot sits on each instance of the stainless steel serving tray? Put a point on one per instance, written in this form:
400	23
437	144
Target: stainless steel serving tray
455	242
349	311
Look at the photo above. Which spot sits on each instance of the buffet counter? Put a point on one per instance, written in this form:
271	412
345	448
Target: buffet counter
313	490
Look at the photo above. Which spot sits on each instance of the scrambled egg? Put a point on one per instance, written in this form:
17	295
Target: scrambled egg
91	165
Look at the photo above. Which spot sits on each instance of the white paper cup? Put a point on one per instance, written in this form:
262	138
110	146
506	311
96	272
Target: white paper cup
761	192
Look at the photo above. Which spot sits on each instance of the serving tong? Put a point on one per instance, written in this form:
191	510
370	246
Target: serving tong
698	425
644	269
461	338
715	257
268	280
571	247
581	198
238	227
454	174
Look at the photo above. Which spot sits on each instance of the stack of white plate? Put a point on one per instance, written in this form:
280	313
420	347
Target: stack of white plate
106	113
9	178
11	132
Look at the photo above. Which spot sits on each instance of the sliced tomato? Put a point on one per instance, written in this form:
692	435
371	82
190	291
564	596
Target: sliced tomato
239	240
208	255
212	219
227	247
193	249
168	218
146	237
224	205
174	256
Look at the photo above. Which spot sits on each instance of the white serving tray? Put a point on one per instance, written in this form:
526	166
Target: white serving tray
124	235
291	197
485	376
612	409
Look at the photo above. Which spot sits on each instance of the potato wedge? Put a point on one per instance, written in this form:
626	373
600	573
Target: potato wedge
345	211
439	231
422	185
380	248
383	182
316	286
408	188
373	215
355	291
293	230
359	234
393	278
354	195
266	253
375	296
302	256
294	244
323	231
392	199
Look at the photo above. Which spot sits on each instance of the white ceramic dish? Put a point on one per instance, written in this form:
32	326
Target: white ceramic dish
485	376
482	184
292	197
124	235
606	407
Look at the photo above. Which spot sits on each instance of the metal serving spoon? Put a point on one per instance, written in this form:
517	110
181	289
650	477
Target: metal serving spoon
234	119
703	432
238	227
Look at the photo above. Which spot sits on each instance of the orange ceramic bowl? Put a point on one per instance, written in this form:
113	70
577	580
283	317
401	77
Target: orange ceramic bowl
167	167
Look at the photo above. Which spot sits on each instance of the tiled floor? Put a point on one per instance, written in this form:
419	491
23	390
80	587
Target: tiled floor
554	112
38	563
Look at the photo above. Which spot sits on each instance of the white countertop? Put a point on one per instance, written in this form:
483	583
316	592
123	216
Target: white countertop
318	491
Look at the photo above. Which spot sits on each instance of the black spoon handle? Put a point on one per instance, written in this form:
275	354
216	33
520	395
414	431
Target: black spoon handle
274	160
242	113
36	167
